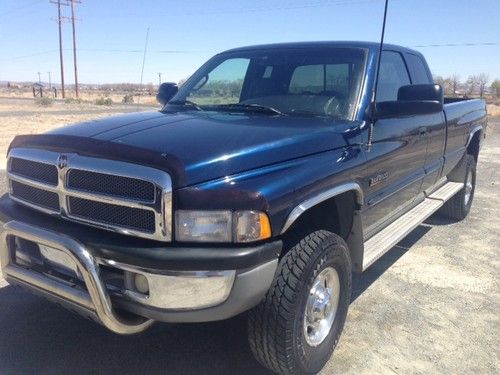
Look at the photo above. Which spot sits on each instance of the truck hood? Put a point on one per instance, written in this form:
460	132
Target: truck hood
213	145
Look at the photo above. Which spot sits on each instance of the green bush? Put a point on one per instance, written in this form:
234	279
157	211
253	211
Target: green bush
73	101
103	101
44	102
128	99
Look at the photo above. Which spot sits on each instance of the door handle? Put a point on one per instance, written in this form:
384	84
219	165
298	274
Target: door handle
422	131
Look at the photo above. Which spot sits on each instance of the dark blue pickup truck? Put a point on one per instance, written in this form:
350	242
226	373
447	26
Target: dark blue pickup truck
265	180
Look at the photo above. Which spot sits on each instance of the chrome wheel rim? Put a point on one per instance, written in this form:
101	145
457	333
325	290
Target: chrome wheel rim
321	307
468	188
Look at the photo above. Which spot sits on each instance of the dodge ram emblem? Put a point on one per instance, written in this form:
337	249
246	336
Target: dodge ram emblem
62	161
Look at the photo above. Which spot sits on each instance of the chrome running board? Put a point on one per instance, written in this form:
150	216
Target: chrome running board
385	240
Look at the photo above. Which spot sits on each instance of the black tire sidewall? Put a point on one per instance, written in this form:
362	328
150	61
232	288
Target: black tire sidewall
312	359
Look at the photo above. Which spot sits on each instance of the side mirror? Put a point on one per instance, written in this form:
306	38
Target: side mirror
412	100
166	91
428	92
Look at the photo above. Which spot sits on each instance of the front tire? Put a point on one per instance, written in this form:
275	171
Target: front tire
295	329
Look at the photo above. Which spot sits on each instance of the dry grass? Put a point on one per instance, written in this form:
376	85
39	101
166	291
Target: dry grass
21	116
494	110
88	96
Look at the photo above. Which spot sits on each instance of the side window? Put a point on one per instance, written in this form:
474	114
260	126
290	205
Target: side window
418	70
393	75
223	85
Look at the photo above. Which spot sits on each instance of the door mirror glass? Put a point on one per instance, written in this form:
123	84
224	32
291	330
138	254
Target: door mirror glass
166	91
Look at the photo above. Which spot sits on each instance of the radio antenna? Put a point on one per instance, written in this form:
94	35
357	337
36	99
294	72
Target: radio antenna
374	94
142	69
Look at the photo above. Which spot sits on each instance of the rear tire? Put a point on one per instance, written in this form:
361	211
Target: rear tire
295	329
458	207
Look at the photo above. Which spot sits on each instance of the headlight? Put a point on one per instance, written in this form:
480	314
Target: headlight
221	226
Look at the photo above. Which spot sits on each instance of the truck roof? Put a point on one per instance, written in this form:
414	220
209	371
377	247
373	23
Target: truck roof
323	44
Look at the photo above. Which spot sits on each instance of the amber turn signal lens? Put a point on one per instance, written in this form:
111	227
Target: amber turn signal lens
265	226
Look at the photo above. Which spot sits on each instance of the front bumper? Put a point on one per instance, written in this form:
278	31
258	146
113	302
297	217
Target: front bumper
212	287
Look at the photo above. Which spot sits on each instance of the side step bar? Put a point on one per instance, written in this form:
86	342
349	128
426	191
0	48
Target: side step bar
384	240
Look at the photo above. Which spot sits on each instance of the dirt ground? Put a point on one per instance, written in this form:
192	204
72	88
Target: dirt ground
429	306
24	116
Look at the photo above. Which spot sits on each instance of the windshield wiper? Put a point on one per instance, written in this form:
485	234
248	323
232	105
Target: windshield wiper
251	108
308	113
187	103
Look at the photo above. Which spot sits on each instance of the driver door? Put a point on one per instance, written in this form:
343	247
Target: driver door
395	164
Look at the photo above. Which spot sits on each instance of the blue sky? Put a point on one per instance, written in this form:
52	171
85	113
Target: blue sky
183	34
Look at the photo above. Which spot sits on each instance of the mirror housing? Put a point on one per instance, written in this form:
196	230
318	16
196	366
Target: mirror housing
166	91
427	92
412	100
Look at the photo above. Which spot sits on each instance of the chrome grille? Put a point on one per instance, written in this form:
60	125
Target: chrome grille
117	196
117	186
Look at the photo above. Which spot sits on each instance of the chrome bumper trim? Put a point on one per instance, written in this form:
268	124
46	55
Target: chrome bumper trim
174	291
180	290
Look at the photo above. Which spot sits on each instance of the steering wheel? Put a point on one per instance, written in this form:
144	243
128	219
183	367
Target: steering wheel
331	93
335	102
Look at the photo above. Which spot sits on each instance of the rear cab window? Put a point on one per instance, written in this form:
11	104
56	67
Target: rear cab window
418	69
320	78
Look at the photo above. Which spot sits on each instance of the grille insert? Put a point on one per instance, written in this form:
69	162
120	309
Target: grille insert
109	194
105	213
118	186
39	197
34	170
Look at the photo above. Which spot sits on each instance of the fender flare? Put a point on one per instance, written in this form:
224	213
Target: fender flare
321	197
472	133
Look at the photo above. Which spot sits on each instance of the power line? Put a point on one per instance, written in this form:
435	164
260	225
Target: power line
457	45
110	50
114	50
13	10
30	55
255	9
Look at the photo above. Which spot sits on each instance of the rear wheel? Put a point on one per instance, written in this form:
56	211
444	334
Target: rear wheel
295	329
458	207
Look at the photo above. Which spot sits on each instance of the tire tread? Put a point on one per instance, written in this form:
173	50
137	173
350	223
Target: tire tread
272	319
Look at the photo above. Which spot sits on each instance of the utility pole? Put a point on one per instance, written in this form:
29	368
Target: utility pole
50	82
59	21
159	79
74	44
39	79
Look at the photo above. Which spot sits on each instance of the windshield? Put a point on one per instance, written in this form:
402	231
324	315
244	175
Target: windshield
307	82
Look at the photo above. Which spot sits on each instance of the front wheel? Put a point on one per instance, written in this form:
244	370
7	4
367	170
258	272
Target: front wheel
295	329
